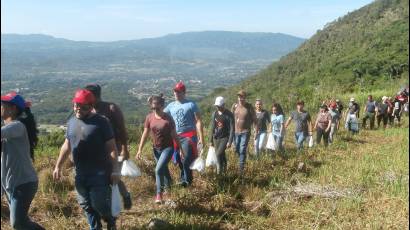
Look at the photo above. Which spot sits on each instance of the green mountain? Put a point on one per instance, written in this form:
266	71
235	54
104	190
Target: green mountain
363	51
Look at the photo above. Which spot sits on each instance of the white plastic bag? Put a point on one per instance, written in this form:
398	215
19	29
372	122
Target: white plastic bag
270	144
211	159
115	201
130	169
310	139
198	164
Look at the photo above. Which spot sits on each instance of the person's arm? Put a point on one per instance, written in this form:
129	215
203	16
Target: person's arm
112	150
199	127
288	122
231	130
317	121
267	120
211	130
329	124
64	152
282	127
122	131
142	142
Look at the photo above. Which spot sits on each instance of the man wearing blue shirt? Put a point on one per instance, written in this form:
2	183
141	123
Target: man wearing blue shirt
187	118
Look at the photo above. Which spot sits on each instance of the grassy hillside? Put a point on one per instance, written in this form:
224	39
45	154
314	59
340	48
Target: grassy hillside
364	51
359	183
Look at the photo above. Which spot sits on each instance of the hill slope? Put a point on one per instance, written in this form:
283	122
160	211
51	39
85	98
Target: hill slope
47	70
365	50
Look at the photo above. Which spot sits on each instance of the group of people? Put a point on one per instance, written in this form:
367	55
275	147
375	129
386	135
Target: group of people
96	141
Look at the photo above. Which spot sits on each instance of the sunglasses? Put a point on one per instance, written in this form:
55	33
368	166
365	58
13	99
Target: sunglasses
82	107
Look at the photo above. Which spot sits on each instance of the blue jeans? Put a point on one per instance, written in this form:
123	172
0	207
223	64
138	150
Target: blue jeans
241	144
300	138
279	142
94	197
186	172
162	175
259	141
19	202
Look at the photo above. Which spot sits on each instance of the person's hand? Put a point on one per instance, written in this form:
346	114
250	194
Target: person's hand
57	174
181	154
327	130
115	178
138	155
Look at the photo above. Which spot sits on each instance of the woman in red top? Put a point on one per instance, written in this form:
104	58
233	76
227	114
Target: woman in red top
162	129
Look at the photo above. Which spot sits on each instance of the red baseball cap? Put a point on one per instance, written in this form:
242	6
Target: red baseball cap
180	87
83	96
333	105
16	100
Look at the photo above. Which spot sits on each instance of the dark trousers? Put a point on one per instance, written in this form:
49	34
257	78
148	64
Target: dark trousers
220	147
94	197
370	116
322	133
380	118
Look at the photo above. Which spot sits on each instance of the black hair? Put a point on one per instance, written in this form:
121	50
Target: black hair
160	99
94	89
278	107
31	126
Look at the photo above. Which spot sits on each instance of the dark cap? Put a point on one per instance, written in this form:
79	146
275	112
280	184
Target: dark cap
300	102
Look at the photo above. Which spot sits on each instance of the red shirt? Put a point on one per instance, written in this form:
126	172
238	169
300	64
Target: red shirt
161	129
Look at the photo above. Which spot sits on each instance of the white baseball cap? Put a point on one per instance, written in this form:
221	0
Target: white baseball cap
352	99
219	101
384	98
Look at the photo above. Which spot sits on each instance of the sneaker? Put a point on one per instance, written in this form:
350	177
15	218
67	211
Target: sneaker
127	201
183	184
158	198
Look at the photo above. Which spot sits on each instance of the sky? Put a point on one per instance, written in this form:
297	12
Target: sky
103	20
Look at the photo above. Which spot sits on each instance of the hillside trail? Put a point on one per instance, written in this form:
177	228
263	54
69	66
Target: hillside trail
229	203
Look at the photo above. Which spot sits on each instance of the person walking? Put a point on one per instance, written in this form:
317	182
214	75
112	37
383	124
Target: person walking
303	124
369	112
116	119
322	125
336	116
245	117
188	123
162	129
221	133
278	125
19	179
382	113
354	108
91	141
262	121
